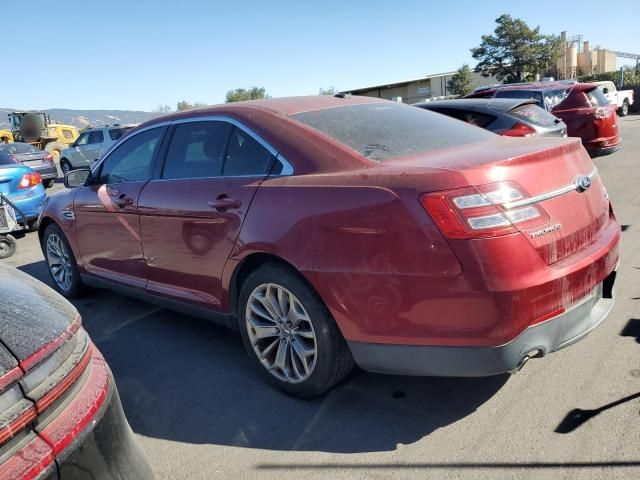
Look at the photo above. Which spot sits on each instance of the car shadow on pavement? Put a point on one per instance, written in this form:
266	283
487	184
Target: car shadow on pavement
184	379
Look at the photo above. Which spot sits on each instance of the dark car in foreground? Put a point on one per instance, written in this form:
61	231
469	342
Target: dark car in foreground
509	117
330	231
582	106
38	160
60	414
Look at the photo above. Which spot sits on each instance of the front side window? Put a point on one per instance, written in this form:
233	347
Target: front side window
132	161
83	139
196	150
245	156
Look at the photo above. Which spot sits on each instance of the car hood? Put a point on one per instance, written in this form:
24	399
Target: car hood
31	315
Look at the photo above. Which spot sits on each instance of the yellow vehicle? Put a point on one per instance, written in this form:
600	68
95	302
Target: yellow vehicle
6	136
36	128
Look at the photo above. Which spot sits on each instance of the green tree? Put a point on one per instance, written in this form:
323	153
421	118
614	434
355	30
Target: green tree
515	52
461	83
327	91
240	94
183	106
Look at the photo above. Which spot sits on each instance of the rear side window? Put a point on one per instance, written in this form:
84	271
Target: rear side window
596	98
469	116
533	114
196	150
95	137
6	159
245	156
382	131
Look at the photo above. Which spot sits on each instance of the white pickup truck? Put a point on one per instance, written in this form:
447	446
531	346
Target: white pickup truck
622	98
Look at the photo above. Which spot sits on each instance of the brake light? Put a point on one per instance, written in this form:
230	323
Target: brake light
48	158
519	130
29	180
485	211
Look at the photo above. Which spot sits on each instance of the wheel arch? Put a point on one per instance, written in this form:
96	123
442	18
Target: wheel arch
251	263
44	223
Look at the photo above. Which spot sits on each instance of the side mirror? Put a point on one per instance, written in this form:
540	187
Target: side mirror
77	178
605	90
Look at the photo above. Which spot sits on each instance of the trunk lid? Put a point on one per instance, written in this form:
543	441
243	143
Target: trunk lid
32	159
24	331
538	167
10	176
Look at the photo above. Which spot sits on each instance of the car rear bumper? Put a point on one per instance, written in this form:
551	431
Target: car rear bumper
602	146
459	361
47	172
106	449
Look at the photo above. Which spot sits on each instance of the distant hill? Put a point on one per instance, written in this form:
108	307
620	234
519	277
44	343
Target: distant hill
82	118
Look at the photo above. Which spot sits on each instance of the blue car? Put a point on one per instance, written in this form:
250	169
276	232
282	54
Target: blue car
23	187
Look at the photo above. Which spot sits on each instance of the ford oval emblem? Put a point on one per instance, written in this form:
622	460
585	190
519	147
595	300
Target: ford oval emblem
583	183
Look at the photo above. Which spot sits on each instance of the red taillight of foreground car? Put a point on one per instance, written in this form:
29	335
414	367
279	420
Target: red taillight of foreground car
485	211
29	180
82	409
519	130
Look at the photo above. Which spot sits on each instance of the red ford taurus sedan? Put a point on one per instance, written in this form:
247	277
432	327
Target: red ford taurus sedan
332	231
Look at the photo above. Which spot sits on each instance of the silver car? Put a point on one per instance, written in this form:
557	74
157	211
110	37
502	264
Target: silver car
90	145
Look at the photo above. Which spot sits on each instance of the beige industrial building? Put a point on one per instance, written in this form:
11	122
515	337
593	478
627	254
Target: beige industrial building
419	89
578	58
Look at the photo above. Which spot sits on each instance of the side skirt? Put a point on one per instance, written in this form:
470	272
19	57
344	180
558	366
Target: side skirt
216	317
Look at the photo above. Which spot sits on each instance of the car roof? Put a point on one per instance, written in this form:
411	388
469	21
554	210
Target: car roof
502	105
284	106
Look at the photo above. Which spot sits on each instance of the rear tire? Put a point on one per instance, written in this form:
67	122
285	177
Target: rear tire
623	111
48	183
63	268
8	246
294	341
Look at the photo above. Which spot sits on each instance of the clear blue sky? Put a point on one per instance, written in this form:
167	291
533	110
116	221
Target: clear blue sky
137	54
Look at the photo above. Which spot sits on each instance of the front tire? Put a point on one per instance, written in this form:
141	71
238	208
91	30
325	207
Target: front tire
623	111
63	268
290	334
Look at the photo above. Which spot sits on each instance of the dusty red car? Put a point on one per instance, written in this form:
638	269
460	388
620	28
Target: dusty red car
333	231
582	106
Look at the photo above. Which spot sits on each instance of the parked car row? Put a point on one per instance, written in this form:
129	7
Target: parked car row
583	107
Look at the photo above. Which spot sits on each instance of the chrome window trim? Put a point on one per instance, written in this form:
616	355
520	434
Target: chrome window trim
548	195
287	167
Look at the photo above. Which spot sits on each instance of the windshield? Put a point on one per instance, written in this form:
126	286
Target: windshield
526	94
535	115
381	131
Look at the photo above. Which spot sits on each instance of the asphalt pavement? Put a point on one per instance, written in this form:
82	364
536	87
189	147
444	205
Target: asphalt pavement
201	411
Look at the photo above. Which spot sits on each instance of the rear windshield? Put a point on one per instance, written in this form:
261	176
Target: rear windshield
381	131
526	94
474	118
597	98
534	114
11	148
6	159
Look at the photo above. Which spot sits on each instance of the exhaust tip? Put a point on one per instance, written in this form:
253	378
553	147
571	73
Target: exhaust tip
531	354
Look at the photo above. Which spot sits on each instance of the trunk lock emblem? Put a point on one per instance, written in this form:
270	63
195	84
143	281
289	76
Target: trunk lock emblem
583	183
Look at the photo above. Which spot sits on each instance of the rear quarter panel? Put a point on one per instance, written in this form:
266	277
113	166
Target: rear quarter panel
351	243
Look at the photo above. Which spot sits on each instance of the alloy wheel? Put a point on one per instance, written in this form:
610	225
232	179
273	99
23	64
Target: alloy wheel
59	262
281	333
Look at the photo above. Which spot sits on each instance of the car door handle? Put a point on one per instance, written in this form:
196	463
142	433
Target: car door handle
123	201
224	202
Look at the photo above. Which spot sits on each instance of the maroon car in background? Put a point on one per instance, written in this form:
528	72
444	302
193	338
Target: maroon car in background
582	106
333	231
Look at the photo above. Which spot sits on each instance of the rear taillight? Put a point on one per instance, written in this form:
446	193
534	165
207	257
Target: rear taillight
29	180
485	211
48	158
519	130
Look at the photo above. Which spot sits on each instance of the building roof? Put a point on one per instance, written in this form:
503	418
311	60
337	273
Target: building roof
398	84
